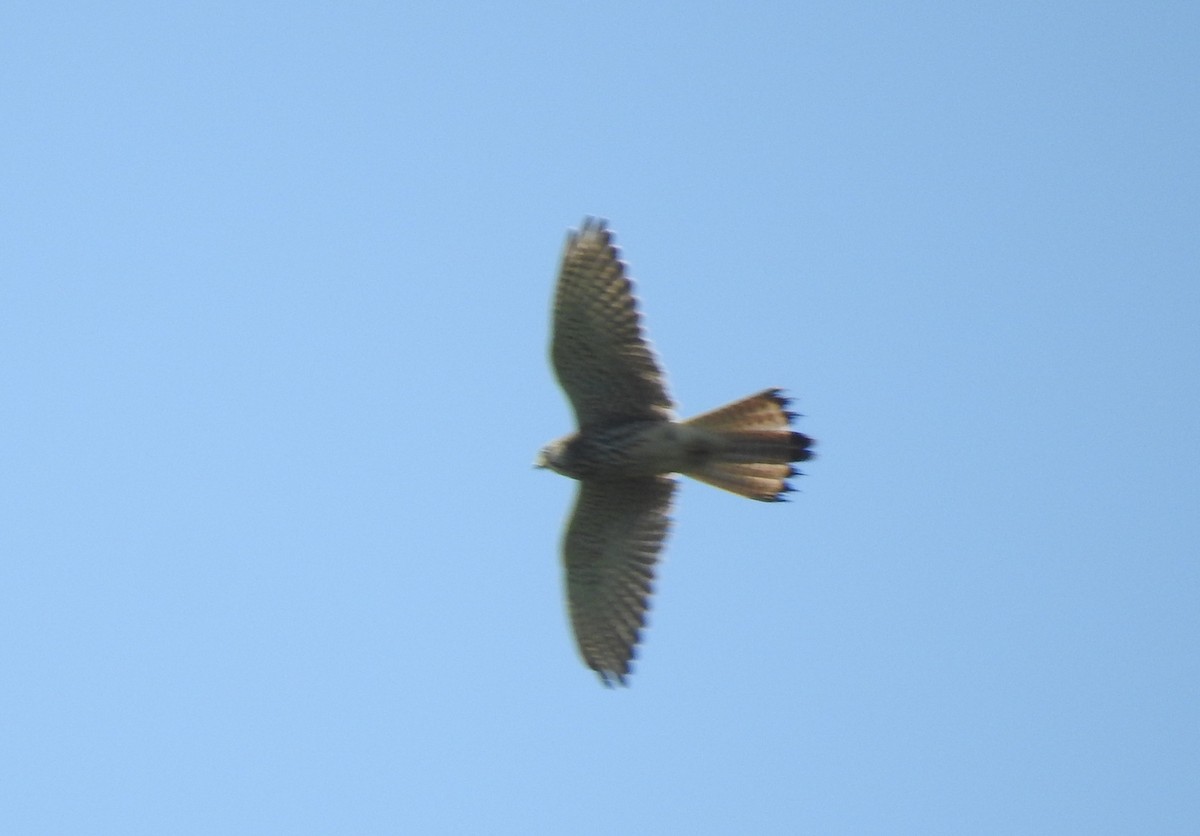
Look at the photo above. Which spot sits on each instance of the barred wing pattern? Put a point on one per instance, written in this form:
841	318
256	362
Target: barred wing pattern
610	550
600	355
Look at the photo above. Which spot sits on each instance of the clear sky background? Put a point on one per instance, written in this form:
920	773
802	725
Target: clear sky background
274	295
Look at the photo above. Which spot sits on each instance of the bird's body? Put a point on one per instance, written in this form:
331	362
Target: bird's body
655	448
628	444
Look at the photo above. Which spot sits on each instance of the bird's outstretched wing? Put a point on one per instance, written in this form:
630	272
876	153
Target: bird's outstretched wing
610	549
599	352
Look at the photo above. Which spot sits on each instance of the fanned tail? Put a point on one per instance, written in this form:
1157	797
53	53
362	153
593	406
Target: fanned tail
747	447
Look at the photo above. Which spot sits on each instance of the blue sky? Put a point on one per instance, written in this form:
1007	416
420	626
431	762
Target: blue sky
274	289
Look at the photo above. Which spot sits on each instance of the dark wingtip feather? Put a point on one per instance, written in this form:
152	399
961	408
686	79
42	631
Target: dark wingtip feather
611	679
594	224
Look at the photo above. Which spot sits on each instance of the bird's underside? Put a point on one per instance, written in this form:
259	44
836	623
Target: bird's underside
628	444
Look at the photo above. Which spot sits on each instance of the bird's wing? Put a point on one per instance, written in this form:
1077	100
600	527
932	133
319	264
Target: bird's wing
599	352
610	548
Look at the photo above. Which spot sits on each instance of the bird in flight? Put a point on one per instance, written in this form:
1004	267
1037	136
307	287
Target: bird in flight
627	446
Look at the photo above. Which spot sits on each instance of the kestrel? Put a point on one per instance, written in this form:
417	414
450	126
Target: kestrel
628	444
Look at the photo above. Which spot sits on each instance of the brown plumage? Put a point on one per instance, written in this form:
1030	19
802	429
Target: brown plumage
627	445
752	447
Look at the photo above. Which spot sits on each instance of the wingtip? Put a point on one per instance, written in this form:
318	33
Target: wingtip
611	679
593	223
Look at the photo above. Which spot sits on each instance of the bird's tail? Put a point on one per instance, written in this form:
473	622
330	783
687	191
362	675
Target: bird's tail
747	447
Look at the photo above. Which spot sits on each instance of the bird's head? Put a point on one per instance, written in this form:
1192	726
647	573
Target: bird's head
553	456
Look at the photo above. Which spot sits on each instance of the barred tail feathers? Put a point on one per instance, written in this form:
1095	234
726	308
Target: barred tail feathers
748	447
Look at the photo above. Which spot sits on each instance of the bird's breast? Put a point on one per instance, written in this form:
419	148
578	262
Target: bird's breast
627	451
